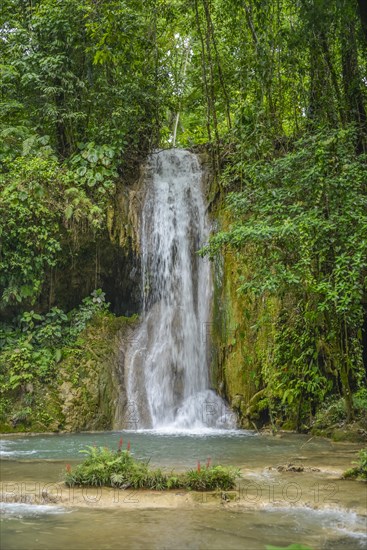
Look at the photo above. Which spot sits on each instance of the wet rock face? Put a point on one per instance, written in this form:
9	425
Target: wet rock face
92	263
89	401
120	280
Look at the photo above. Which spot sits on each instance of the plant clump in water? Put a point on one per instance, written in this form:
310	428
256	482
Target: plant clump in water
360	470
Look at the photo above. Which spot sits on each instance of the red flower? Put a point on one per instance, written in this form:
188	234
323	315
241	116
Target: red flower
208	462
128	445
199	466
68	468
120	443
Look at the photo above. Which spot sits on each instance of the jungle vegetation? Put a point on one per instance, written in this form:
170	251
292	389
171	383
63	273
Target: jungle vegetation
275	91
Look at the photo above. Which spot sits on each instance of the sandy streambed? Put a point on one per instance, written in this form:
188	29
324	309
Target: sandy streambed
255	489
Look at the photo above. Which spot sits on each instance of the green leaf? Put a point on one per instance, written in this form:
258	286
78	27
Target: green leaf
92	157
69	212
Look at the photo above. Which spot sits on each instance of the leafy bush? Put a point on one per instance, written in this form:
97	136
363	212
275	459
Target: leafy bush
32	348
30	207
39	200
105	467
94	166
360	401
210	478
331	412
359	471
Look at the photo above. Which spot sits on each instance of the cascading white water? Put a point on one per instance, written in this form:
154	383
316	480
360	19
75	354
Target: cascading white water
166	363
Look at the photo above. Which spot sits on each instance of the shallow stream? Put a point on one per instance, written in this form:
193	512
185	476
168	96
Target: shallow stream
316	508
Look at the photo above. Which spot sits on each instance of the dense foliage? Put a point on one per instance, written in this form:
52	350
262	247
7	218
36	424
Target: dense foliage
302	218
276	91
360	470
31	351
106	467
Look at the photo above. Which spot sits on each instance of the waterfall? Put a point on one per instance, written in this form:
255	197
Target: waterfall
167	378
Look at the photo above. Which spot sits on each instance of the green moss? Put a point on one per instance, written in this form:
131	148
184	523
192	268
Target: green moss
243	335
88	374
82	394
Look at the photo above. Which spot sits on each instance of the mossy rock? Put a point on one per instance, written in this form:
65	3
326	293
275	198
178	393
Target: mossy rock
84	392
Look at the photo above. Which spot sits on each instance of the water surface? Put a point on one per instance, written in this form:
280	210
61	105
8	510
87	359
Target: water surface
277	516
167	529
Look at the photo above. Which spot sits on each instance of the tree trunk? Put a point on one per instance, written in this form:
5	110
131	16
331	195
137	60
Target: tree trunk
362	5
351	78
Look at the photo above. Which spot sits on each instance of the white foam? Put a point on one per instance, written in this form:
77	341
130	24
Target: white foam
20	509
171	430
346	522
4	454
